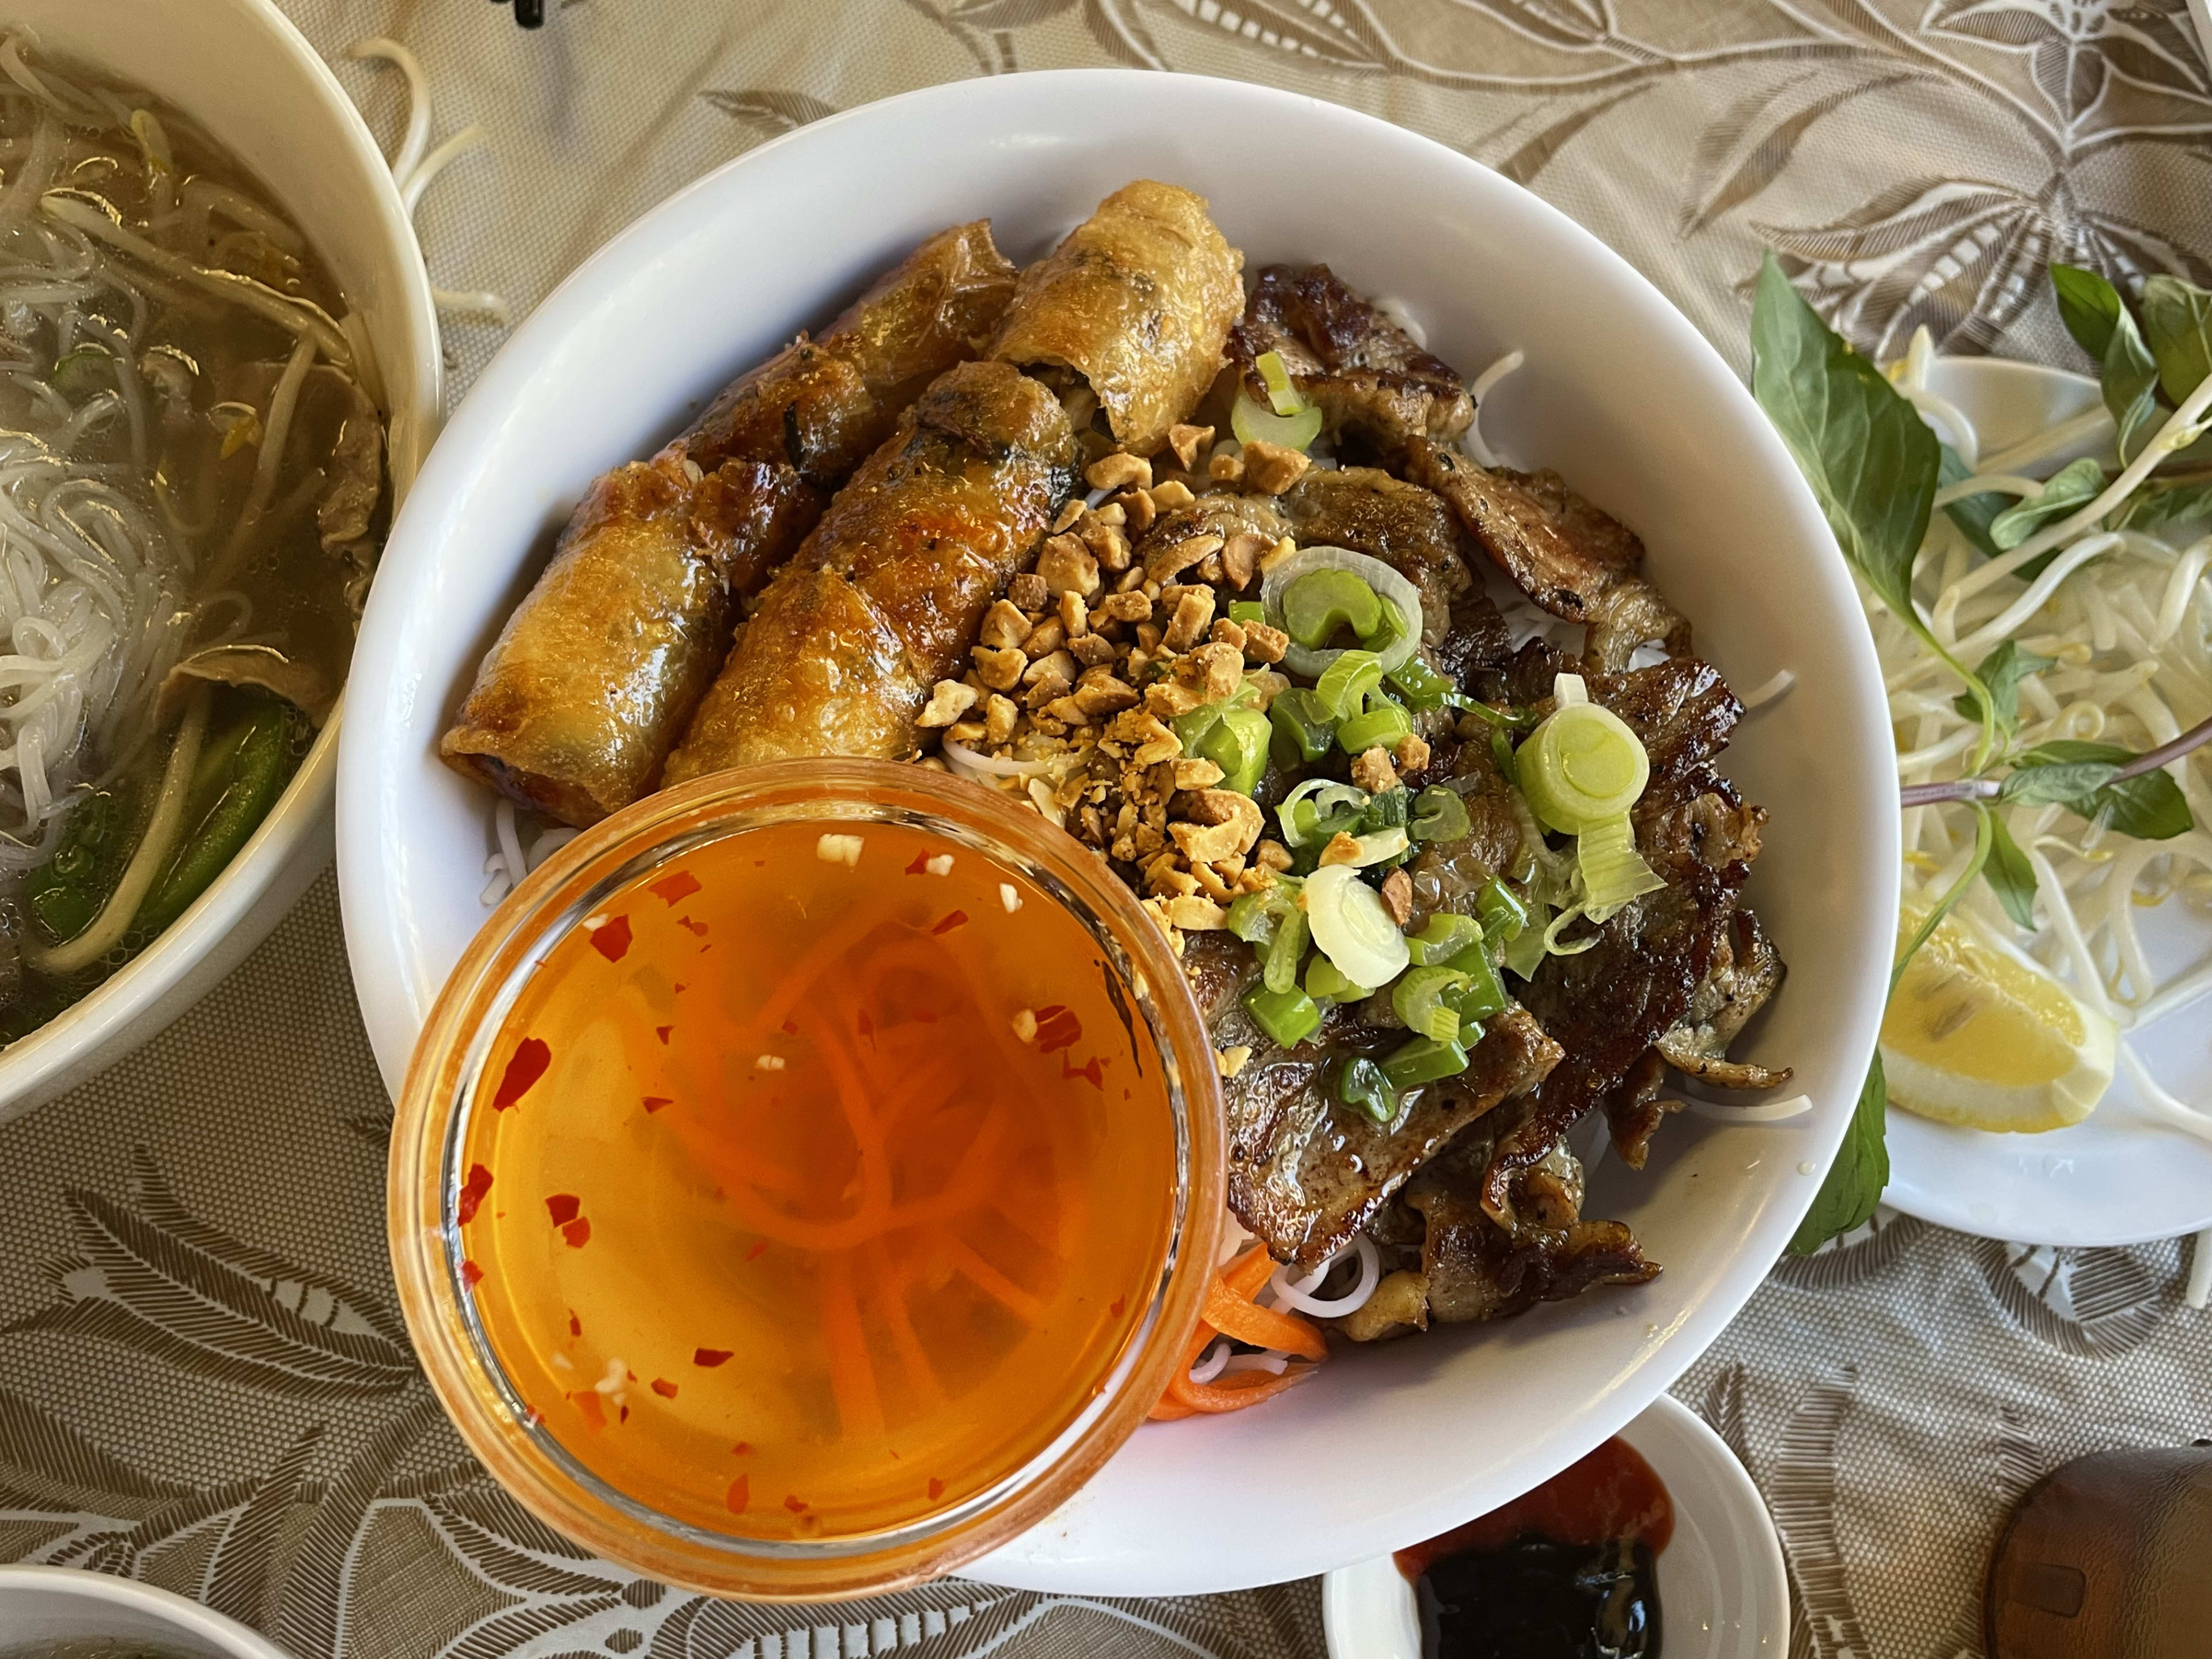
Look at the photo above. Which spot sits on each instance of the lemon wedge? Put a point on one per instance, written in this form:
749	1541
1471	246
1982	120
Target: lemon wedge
1980	1034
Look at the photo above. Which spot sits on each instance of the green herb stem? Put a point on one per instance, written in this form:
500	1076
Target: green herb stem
1979	789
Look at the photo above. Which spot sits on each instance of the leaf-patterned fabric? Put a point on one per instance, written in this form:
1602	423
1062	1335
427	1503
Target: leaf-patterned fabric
204	1379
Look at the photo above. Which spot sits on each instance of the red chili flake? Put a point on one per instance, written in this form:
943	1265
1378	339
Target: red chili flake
711	1357
531	1058
696	929
1092	1071
1114	1308
743	1448
790	1027
654	1102
624	1417
1057	1028
957	919
575	1325
866	1027
611	938
662	1031
757	1246
589	1408
674	889
471	1275
740	1495
472	1191
563	1207
795	1504
680	987
531	1416
631	1374
663	1388
578	1233
920	866
936	1489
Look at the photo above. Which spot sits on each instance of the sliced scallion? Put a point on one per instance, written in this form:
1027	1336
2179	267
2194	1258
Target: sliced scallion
1613	871
1439	814
1581	766
1344	684
1445	936
1275	374
1380	724
1256	424
1421	998
1353	926
1320	602
1288	1017
1361	1085
1423	1059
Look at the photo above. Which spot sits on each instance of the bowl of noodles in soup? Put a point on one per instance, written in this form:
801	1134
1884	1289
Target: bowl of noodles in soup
218	368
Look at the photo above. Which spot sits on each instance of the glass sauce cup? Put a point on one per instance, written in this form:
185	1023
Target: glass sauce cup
448	1078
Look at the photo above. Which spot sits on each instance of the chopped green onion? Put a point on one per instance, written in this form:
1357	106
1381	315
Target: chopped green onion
1386	809
1191	729
1247	611
1445	936
1321	601
1237	744
1427	688
1253	917
1279	968
1381	722
1558	925
1613	871
1483	997
1420	998
1318	802
1253	423
1288	1017
1389	628
83	371
1503	916
1440	815
1581	766
1353	926
1525	953
1345	683
1275	375
1361	1084
1423	1059
1304	731
1503	758
1324	983
1380	847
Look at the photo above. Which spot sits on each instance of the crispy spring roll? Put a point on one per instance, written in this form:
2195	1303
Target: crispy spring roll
1136	301
588	687
884	598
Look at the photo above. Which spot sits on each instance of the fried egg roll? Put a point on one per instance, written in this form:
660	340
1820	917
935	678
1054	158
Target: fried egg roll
576	706
885	596
1136	301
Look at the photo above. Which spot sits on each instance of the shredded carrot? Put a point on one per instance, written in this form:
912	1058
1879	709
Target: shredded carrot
1229	1310
852	1373
1234	1392
1263	1327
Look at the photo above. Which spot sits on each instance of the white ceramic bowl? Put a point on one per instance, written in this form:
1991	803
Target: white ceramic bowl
2120	1176
1385	1446
61	1605
241	70
1723	1591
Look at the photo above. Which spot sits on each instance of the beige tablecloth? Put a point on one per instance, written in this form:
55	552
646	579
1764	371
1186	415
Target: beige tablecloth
203	1380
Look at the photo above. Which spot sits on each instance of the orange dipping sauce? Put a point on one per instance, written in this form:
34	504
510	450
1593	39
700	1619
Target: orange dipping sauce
818	1182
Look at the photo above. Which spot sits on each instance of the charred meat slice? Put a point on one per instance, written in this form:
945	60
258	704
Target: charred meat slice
1375	387
1408	528
1306	1173
1746	971
1633	1110
1570	558
1682	711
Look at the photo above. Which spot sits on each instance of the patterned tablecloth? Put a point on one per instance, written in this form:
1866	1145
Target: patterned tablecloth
204	1379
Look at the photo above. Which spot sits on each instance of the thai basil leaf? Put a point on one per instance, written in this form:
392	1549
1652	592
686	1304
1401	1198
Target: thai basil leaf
2010	875
1854	1182
2002	672
1971	514
1870	458
2088	305
2178	324
2129	378
2066	492
2157	505
2080	777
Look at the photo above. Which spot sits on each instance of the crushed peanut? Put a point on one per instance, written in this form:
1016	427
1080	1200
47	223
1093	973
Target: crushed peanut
948	700
1271	469
1373	772
1341	849
1232	1061
1186	441
1411	753
1398	896
1118	471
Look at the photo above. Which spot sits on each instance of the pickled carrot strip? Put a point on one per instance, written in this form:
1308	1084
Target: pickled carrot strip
1230	1295
992	1283
814	963
1263	1327
1239	1390
852	1373
891	1285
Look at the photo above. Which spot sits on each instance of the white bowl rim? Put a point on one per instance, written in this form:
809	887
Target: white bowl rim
61	1049
190	1618
1345	1589
394	999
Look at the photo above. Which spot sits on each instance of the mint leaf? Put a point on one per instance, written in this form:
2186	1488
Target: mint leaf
2002	672
2010	875
1853	1184
2088	305
1971	514
2177	323
1869	458
2072	488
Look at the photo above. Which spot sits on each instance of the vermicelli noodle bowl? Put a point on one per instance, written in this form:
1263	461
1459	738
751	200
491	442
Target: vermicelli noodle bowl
192	493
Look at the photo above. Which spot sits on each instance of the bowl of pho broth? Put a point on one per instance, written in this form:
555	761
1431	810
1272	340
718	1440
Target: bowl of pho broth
218	370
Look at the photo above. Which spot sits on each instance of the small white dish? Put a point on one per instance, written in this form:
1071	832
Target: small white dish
243	71
2120	1176
1619	392
1723	1591
63	1606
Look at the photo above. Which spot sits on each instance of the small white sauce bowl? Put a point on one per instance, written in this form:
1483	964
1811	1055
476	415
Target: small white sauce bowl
239	68
1724	1591
42	1605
